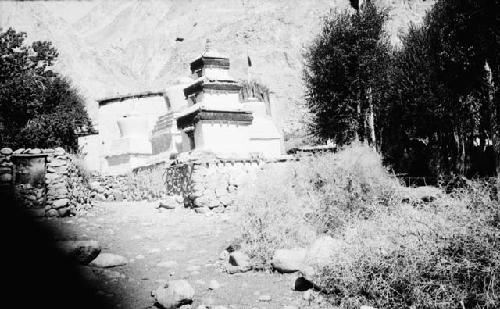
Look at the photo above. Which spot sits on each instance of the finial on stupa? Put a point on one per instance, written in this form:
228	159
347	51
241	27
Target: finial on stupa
207	45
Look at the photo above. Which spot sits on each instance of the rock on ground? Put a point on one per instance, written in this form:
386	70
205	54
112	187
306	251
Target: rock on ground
108	260
238	258
174	294
83	251
288	260
213	285
302	284
321	252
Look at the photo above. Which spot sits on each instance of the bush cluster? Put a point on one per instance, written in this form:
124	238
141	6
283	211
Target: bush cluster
397	252
293	202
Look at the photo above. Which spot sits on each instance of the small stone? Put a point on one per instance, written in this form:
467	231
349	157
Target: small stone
193	268
174	294
112	274
82	251
6	151
224	255
167	264
201	210
60	203
52	213
140	257
108	260
213	285
168	203
63	211
35	151
366	307
239	258
265	298
302	284
237	269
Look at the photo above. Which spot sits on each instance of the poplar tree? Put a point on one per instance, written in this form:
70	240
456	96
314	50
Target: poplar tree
345	73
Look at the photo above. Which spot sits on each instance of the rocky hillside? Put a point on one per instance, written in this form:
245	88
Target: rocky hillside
117	47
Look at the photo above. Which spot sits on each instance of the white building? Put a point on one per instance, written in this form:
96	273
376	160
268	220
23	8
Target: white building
198	114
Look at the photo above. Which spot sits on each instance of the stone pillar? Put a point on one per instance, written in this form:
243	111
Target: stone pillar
56	179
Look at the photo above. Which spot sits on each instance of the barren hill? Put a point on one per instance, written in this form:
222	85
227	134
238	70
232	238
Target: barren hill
118	47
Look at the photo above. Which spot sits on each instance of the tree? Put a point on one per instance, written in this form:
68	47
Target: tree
443	89
39	108
346	69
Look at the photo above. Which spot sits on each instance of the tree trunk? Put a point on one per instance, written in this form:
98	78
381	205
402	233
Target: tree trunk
493	74
371	119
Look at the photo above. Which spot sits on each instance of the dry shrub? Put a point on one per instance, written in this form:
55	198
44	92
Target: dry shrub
150	180
290	203
444	255
351	184
274	210
78	161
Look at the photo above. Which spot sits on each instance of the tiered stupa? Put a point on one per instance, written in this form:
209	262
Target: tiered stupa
214	120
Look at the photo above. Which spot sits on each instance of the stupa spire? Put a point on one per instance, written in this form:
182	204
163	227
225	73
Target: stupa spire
208	45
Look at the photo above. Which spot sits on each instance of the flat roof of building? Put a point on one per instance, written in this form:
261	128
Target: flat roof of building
119	98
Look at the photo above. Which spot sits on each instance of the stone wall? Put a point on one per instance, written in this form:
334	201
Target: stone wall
210	185
45	181
145	183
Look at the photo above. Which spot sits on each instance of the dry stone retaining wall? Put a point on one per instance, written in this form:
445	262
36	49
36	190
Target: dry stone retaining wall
211	185
146	183
45	181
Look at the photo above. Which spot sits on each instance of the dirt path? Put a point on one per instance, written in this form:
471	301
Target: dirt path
187	244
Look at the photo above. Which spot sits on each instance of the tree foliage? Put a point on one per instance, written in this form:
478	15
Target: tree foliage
345	73
435	99
39	108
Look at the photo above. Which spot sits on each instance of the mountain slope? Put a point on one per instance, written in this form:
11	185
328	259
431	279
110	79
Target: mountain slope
117	47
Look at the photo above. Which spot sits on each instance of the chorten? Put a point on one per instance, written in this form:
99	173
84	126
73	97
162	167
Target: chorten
214	120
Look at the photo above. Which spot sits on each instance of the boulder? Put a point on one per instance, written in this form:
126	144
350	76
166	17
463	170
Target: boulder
108	260
168	203
63	211
174	294
60	203
52	213
82	251
6	151
238	258
321	252
58	151
302	284
288	260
